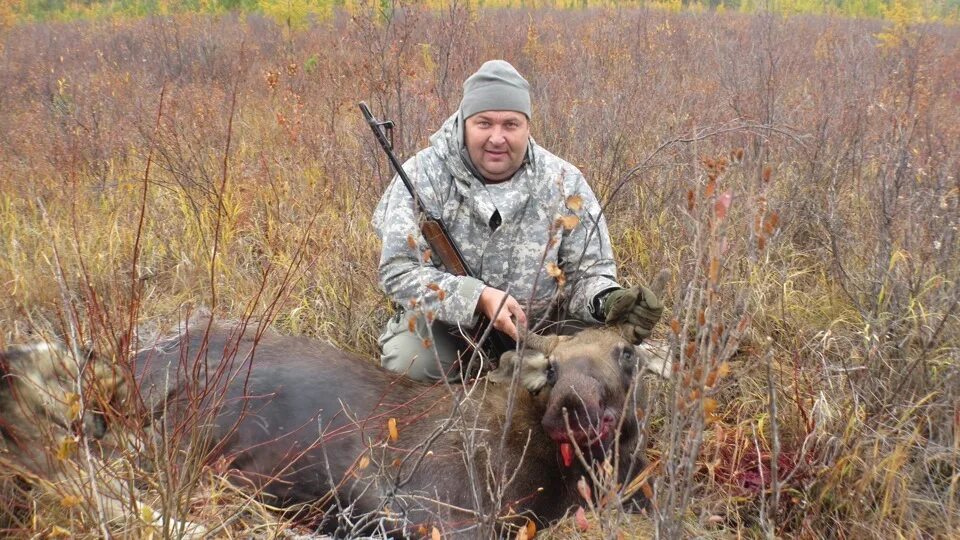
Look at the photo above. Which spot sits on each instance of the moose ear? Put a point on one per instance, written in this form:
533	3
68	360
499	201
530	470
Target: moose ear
654	356
533	369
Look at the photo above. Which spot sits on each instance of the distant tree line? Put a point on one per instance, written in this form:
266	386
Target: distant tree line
298	12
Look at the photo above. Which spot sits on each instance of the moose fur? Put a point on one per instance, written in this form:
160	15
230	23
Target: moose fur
305	422
301	422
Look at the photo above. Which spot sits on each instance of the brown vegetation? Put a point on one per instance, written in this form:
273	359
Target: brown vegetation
798	176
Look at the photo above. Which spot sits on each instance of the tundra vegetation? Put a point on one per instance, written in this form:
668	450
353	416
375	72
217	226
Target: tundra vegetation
798	175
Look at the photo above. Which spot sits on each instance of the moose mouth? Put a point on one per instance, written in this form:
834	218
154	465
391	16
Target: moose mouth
590	436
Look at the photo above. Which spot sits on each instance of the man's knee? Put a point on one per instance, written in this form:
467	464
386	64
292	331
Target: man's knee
428	354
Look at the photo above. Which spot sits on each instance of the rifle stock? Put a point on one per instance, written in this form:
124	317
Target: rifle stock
436	235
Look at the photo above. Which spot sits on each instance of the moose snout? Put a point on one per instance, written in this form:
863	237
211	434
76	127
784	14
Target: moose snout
580	417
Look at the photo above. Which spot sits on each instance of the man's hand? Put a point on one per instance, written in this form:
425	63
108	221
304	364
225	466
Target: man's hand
636	310
508	317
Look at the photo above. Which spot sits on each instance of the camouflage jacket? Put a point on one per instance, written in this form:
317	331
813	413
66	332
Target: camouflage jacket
540	253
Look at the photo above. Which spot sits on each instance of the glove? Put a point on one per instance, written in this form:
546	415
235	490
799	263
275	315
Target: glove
636	310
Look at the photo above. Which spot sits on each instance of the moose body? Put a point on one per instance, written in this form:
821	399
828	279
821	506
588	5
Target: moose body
303	421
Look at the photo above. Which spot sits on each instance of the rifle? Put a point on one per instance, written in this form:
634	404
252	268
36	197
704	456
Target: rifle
432	228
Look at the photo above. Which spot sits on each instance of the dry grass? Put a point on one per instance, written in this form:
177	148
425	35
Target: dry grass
218	161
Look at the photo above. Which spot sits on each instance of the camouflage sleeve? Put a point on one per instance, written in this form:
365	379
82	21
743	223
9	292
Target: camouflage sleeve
586	255
406	273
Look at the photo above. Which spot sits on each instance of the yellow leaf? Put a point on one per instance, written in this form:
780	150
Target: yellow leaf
435	534
70	501
575	202
555	272
147	514
709	405
73	404
723	369
59	532
364	463
66	448
392	428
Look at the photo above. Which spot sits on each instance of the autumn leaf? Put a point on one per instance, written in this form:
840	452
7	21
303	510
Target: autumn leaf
412	324
770	224
435	534
392	429
723	369
59	532
411	242
364	462
73	403
714	270
583	488
647	491
580	518
147	514
427	253
575	202
723	204
531	529
675	326
709	405
711	379
556	273
568	222
66	448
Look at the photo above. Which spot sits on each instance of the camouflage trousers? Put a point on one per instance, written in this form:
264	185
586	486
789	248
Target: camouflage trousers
430	352
437	351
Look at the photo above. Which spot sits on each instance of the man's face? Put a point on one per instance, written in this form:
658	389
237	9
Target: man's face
497	142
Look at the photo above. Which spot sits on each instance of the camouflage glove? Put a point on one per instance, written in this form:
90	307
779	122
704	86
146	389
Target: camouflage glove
636	310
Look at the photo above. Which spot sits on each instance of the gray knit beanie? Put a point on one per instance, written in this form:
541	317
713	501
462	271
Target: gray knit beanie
496	86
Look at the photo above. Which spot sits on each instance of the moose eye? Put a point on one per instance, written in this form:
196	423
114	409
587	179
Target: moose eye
627	357
551	373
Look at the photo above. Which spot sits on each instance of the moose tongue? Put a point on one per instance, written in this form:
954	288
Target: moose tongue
566	452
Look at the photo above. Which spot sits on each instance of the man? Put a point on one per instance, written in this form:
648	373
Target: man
526	222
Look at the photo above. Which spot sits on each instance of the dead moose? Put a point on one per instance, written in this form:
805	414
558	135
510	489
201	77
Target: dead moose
304	422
